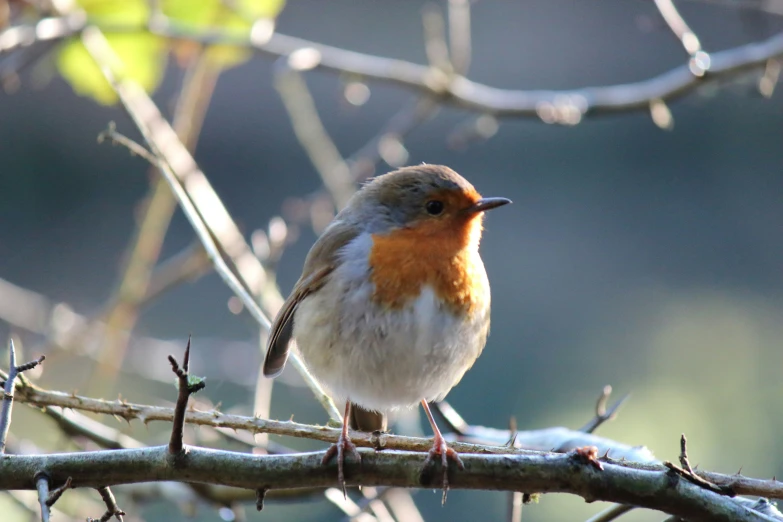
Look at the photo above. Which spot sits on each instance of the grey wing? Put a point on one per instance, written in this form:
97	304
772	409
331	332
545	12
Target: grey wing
318	265
283	326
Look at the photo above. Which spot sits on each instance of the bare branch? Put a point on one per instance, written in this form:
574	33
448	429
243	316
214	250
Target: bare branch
516	472
456	90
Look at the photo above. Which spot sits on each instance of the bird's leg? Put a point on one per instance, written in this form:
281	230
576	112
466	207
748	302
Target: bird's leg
342	445
441	449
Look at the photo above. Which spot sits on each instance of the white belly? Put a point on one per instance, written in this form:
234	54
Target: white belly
384	359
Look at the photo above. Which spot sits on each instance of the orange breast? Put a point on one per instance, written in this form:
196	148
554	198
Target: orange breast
444	258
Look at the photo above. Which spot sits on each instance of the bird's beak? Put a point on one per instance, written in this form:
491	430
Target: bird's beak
487	204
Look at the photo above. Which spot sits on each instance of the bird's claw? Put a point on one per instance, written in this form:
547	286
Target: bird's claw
339	449
442	450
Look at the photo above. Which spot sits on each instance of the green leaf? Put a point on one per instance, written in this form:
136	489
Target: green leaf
141	56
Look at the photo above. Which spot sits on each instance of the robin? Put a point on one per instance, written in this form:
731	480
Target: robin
392	307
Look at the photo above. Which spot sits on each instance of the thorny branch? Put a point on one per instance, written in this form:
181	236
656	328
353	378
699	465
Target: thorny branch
33	395
617	482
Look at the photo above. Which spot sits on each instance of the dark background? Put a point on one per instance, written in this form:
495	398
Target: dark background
646	259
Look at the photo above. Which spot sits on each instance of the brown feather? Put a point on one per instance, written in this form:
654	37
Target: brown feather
318	265
366	420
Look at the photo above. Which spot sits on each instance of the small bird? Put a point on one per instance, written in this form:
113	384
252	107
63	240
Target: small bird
392	307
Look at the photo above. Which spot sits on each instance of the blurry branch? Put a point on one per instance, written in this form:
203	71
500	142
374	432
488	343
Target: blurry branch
310	132
557	106
144	248
36	313
388	144
603	415
128	93
198	200
460	45
679	27
654	489
612	513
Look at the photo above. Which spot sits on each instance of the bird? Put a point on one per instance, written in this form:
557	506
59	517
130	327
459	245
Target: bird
393	304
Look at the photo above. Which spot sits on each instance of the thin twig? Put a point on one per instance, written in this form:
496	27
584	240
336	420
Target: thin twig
186	386
601	413
311	134
145	246
460	46
611	513
55	494
112	510
687	473
678	26
8	391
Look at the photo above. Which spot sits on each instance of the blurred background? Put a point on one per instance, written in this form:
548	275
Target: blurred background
644	258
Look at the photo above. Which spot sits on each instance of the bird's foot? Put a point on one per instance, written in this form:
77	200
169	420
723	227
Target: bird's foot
339	449
441	451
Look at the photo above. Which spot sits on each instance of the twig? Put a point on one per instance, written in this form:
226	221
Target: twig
435	39
388	143
601	413
187	385
543	472
515	506
678	26
112	510
55	494
42	485
310	132
687	473
611	513
460	46
8	391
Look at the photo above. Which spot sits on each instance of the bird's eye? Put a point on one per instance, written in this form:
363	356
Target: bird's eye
434	207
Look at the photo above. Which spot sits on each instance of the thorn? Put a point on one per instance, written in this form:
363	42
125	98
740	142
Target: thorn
739	471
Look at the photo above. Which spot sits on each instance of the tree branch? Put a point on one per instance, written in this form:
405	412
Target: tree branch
451	89
657	489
